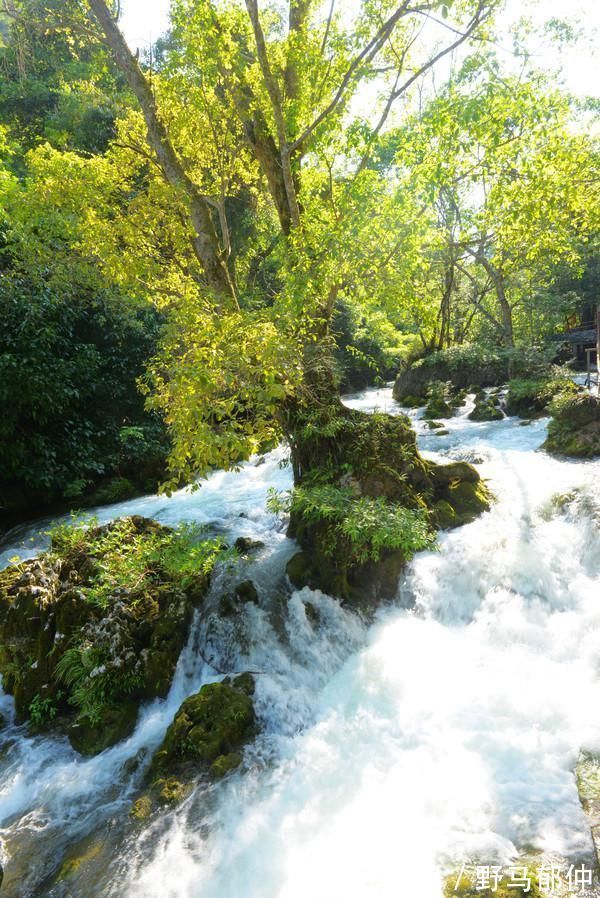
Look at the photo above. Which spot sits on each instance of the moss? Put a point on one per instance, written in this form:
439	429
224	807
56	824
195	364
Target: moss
213	722
71	866
224	764
141	809
575	426
170	790
206	737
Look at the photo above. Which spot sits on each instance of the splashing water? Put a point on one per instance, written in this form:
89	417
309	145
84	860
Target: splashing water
448	730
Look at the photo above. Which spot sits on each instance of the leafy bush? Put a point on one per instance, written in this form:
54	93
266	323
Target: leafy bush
533	395
366	526
138	559
70	411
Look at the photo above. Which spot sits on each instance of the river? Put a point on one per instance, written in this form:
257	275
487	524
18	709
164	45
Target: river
445	732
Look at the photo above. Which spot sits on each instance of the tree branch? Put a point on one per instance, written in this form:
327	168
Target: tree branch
365	56
204	241
277	106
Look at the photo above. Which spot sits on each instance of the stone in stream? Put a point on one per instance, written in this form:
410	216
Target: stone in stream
95	626
575	426
485	410
205	739
243	545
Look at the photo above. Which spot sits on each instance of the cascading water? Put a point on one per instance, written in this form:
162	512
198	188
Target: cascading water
446	731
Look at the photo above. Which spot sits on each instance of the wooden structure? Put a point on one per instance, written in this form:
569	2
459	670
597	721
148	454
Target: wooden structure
584	339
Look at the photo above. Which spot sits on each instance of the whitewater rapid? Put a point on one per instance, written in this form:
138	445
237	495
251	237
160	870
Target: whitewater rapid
447	731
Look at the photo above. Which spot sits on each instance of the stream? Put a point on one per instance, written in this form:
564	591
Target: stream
445	732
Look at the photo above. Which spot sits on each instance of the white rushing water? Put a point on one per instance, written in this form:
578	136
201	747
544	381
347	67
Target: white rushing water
447	731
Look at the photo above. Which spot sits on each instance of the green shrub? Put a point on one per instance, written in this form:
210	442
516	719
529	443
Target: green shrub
137	559
530	396
367	527
575	426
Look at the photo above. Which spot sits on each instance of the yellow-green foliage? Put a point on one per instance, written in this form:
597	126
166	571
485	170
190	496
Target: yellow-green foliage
139	560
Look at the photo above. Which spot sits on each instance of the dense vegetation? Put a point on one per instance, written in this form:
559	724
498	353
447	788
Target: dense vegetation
218	226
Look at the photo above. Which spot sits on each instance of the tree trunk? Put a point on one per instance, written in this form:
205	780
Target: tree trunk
205	242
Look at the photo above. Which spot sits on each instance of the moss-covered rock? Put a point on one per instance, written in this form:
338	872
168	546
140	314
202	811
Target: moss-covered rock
440	401
206	737
461	495
530	397
96	625
485	410
466	367
115	722
244	545
246	592
363	503
575	426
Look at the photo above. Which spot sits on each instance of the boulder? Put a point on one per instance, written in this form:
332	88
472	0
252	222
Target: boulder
485	410
575	426
244	545
81	647
206	738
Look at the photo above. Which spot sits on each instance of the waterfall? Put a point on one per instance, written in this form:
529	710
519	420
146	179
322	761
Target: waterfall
446	730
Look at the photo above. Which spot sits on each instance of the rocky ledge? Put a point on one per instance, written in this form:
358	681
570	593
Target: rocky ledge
95	626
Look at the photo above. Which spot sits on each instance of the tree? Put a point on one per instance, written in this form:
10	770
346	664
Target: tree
283	81
514	180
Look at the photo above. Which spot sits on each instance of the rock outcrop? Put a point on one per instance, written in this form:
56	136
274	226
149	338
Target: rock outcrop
93	627
575	426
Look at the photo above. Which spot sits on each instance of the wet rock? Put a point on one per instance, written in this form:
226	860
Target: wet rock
141	809
115	723
206	737
244	545
443	475
79	657
312	613
460	493
485	410
246	592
